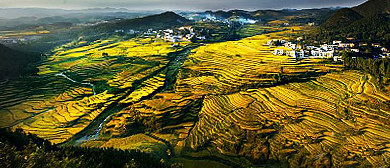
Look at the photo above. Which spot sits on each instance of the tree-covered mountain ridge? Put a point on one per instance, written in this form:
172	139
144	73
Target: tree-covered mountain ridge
369	20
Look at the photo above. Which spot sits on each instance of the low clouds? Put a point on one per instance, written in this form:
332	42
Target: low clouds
181	4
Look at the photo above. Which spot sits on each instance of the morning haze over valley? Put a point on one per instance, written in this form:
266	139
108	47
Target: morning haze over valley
188	84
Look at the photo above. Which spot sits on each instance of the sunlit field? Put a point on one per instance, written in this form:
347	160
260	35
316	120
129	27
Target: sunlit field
69	102
232	100
249	63
343	112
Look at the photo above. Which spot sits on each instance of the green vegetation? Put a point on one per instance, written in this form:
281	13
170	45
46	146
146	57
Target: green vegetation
368	21
257	29
217	32
233	66
373	7
14	63
18	149
310	123
160	21
81	84
379	68
343	17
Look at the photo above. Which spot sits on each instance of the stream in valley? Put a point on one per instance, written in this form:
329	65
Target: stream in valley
92	132
82	83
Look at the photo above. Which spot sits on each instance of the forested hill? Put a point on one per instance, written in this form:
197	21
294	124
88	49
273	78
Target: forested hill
369	20
373	7
21	150
14	63
341	18
159	21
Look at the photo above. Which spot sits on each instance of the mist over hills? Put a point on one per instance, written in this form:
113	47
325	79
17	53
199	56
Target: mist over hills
308	15
13	13
20	18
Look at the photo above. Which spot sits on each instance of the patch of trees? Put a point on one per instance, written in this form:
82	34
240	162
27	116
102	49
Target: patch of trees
379	68
18	149
369	22
341	18
14	63
159	21
370	29
277	43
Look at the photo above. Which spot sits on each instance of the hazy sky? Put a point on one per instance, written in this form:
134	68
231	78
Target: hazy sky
181	4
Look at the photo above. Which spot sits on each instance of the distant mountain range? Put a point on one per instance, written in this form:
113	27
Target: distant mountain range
369	20
22	18
19	18
293	15
13	13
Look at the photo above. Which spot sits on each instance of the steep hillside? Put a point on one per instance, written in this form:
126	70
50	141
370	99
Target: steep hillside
341	18
373	7
228	14
374	27
13	63
159	21
369	20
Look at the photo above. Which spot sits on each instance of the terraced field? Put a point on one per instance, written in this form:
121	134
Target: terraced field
257	29
228	104
66	119
232	66
82	80
226	110
29	97
166	109
340	119
155	125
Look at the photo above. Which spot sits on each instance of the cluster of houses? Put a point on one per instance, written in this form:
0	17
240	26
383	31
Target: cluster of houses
181	34
18	40
185	33
325	50
131	31
207	17
92	24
